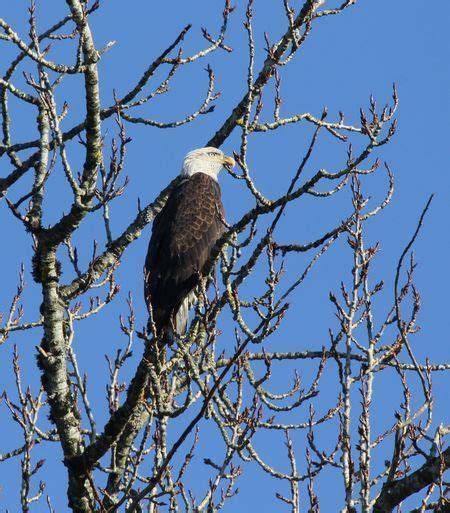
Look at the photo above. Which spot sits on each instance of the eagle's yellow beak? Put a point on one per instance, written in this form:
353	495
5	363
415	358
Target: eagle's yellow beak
228	162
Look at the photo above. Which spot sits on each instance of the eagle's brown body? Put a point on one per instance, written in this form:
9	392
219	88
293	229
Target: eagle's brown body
183	235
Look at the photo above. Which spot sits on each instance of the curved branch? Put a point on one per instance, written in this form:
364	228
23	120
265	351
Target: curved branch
393	493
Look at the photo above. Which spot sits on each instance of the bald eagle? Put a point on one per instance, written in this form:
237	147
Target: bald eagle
184	233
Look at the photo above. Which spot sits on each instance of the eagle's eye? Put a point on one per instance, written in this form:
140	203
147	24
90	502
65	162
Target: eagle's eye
212	154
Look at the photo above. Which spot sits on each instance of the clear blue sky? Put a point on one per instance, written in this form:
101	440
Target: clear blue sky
346	58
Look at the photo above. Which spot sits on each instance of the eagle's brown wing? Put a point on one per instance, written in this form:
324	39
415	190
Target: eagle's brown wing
183	235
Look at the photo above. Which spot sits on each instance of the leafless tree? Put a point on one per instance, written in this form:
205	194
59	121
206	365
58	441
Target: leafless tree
217	379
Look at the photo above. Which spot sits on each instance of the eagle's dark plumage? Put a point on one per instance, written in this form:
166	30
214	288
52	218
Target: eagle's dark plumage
184	233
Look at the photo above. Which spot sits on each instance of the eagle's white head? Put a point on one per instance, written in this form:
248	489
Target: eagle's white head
207	160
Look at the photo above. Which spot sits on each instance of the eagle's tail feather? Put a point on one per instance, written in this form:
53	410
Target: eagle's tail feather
181	318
